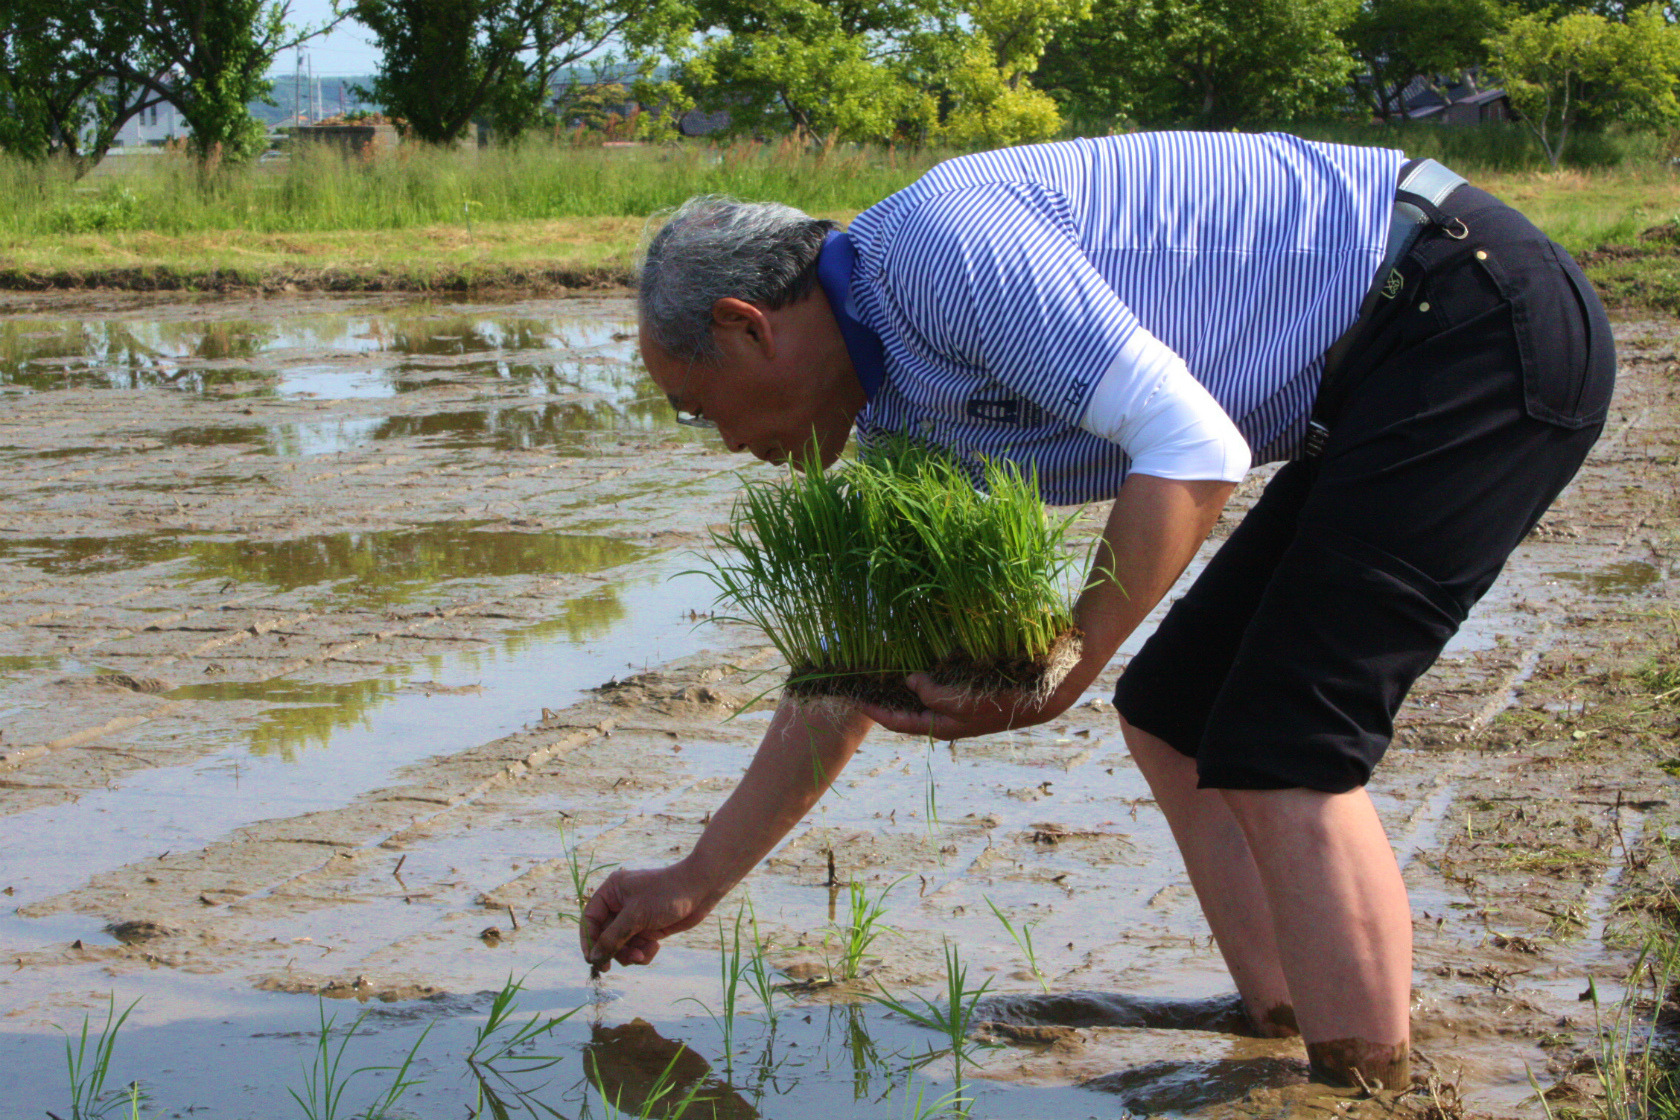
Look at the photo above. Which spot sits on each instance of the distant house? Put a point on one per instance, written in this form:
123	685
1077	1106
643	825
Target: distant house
152	128
1462	104
698	122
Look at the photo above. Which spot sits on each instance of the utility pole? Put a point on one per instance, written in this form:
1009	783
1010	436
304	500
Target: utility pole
297	90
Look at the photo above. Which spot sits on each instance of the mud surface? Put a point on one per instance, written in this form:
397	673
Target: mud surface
320	617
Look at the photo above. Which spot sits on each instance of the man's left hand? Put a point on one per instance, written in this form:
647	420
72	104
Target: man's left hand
953	713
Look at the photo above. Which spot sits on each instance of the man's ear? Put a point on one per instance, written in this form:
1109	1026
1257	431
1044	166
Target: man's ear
740	324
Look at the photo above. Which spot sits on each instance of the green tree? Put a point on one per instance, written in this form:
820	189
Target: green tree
1583	69
59	88
984	82
1395	41
448	62
833	69
208	58
1212	63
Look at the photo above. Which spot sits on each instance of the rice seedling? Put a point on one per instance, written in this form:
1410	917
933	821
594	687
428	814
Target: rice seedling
760	978
1022	936
89	1099
953	1103
326	1082
930	795
733	966
863	925
905	560
580	867
501	1051
951	1017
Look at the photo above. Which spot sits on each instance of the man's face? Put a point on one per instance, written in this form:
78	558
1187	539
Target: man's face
775	388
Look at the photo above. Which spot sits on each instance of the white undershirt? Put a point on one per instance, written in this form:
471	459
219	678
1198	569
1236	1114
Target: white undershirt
1168	424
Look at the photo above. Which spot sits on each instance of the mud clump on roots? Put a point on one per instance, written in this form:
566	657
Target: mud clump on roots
1021	680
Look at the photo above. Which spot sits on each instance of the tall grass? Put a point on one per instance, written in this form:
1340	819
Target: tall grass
316	189
896	564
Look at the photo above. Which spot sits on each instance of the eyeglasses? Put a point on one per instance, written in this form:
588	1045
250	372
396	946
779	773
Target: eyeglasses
689	419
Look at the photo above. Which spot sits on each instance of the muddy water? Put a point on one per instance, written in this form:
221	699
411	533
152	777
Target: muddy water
318	618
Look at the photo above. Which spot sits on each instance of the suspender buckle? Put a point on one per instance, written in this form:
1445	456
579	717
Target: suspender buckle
1317	436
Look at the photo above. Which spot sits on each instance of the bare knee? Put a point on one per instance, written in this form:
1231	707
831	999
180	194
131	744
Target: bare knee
1268	815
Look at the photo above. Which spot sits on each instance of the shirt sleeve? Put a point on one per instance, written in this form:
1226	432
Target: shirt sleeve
993	276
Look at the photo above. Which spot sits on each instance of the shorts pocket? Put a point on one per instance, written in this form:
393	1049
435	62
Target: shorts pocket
1562	333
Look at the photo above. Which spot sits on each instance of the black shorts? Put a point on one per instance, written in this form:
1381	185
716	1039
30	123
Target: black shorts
1473	398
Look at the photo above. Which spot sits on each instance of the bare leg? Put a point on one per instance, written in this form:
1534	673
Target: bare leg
1225	878
1343	924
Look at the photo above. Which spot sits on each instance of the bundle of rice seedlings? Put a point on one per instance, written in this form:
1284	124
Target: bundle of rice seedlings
896	563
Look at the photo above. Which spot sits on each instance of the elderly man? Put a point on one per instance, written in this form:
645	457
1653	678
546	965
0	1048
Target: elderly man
1140	318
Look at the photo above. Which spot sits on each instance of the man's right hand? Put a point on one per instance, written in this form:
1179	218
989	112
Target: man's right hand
632	911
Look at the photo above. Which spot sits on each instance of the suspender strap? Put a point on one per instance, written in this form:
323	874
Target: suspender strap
1424	187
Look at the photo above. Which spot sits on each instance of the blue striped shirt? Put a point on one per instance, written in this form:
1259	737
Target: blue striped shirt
1003	287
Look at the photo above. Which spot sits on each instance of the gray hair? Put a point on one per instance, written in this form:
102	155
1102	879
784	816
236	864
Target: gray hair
712	247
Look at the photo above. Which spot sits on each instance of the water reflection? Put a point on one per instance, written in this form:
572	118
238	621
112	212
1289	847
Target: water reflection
636	1070
308	714
391	565
87	555
376	568
1627	578
134	354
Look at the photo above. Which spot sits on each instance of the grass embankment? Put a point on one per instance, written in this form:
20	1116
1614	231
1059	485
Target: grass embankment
534	217
542	217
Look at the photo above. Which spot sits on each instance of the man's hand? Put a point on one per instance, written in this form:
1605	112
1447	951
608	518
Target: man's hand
630	913
954	713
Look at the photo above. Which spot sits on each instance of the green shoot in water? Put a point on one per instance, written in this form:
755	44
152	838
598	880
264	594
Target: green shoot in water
579	867
863	926
761	979
89	1099
905	560
1022	936
951	1017
502	1051
733	966
325	1082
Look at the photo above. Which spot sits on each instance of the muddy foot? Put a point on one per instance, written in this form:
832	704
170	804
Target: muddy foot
1358	1064
1181	1086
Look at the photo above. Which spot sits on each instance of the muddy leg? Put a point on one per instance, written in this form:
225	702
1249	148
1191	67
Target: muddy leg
1344	927
1224	876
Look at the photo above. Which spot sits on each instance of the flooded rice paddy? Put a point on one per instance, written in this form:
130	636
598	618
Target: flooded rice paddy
333	632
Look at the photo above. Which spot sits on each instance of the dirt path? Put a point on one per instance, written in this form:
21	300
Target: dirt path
318	616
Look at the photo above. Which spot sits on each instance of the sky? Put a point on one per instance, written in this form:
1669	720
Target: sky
348	50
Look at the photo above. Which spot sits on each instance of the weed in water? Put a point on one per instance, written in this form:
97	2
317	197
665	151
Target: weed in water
89	1098
1637	1079
1022	936
951	1017
326	1082
863	925
501	1051
905	560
